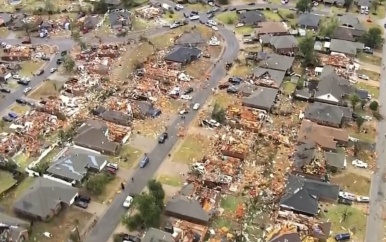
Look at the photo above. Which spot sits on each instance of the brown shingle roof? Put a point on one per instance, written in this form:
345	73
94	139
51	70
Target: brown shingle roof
270	28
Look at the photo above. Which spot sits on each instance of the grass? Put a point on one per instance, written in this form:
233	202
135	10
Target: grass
128	157
380	13
285	13
45	90
366	137
192	149
374	76
241	70
6	181
223	99
200	7
171	17
374	91
245	30
4	32
227	18
355	221
8	199
372	59
230	203
372	25
198	68
173	181
272	16
289	87
20	109
28	68
222	223
51	155
140	24
111	188
22	160
354	183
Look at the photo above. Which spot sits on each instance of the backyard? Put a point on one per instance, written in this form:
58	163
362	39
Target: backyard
19	109
241	70
224	99
372	59
289	87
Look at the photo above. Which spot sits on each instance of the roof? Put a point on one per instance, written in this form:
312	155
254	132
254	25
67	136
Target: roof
304	154
75	166
13	221
251	17
343	46
274	75
116	117
277	62
284	41
119	18
335	159
327	113
43	196
113	2
183	55
324	136
270	27
186	207
191	38
263	98
286	237
351	21
309	20
364	3
156	235
343	33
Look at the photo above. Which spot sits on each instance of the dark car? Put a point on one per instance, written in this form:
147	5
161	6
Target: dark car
12	115
384	26
63	53
163	138
21	101
5	90
235	80
202	21
232	9
342	237
144	161
45	58
189	90
59	61
22	82
224	9
84	198
81	204
251	3
210	16
344	201
7	119
210	11
194	13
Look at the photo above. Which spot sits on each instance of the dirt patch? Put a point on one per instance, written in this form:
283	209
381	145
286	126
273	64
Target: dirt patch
354	183
198	69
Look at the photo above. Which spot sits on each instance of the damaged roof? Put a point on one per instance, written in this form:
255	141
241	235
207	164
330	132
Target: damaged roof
337	160
327	113
116	117
304	154
187	208
278	62
274	75
156	235
183	55
192	38
287	237
263	98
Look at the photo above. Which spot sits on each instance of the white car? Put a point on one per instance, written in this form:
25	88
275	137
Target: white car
3	44
362	199
363	77
27	90
179	6
367	118
359	164
112	165
53	70
183	111
186	97
215	28
128	201
212	22
194	17
347	195
16	77
196	106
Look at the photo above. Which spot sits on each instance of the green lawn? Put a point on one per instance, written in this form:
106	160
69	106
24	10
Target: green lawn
367	137
372	59
200	7
227	18
171	17
173	181
223	99
245	30
8	199
374	76
380	13
128	157
140	24
287	15
51	155
230	203
192	149
289	87
45	90
241	70
271	16
374	91
28	68
6	181
354	183
22	160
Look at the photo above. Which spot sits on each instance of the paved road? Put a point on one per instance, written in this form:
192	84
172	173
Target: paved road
375	222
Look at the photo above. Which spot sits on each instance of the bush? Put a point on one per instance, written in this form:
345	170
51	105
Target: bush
96	184
374	105
230	21
377	115
290	16
41	167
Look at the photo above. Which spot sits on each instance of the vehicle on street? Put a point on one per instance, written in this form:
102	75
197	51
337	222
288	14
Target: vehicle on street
347	195
343	237
232	9
196	106
144	162
5	90
228	66
210	16
12	115
363	77
23	82
360	164
63	53
188	90
59	61
194	13
7	119
215	28
212	22
174	25
111	171
251	3
21	101
186	97
45	58
81	204
27	90
113	166
362	199
163	138
16	77
384	26
224	9
52	70
183	111
39	72
128	201
194	17
83	198
178	7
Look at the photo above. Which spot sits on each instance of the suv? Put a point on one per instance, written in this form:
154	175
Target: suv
144	161
342	237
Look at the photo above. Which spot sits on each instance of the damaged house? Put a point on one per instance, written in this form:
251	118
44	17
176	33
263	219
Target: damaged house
268	77
263	98
113	116
308	161
13	229
283	44
119	19
277	62
328	115
183	55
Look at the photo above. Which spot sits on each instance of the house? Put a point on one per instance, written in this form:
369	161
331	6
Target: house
335	160
146	109
89	22
308	161
152	235
113	3
277	62
327	114
183	55
345	47
187	209
44	199
263	98
5	18
286	237
116	117
268	77
270	28
73	168
363	5
250	18
119	19
326	137
284	44
344	33
303	195
13	229
304	155
339	3
309	21
93	135
246	89
353	24
191	39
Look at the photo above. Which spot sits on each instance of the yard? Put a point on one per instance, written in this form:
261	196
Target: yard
369	25
171	17
22	160
230	203
289	87
61	225
173	181
3	32
8	199
241	70
227	18
372	59
380	13
28	68
128	157
346	219
200	7
289	16
109	192
140	24
6	181
45	90
374	91
353	183
192	149
224	99
271	16
245	30
199	68
19	109
51	155
371	74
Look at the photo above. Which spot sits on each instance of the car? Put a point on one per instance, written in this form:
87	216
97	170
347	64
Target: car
215	28
144	162
343	237
347	195
251	3
344	201
81	204
212	22
23	82
360	164
196	106
16	77
3	44
362	199
363	77
188	90
186	97
7	119
233	9
59	61
52	70
21	101
183	111
111	171
45	58
12	115
5	90
367	118
209	11
210	16
224	9
128	201
384	26
186	15
63	53
194	17
83	198
27	90
112	165
164	136
368	51
194	13
39	72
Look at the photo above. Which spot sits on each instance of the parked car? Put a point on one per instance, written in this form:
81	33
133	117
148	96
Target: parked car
212	22
251	3
21	101
12	115
52	70
193	13
112	171
16	77
347	195
27	90
183	111
45	58
210	16
112	165
359	164
215	28
363	77
196	106
7	119
59	61
362	199
188	90
39	72
128	201
344	201
232	9
23	82
194	17
63	53
5	90
164	136
224	9
186	97
368	50
81	204
343	237
144	162
83	198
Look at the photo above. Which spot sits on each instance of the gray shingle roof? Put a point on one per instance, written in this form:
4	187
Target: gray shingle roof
43	196
183	55
308	20
251	17
327	113
274	75
263	98
343	46
335	159
304	154
277	62
156	235
351	21
186	207
284	41
192	38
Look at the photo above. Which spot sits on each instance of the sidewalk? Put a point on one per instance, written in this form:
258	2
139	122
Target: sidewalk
370	67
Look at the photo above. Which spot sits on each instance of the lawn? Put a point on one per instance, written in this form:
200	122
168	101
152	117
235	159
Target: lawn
51	155
372	59
173	181
372	25
354	183
140	24
223	99
200	7
61	225
230	203
380	13
289	87
8	199
6	181
22	160
171	17
111	189
199	68
4	32
45	90
227	17
286	14
241	70
371	74
28	68
272	16
374	91
192	149
128	157
245	30
366	137
20	109
354	221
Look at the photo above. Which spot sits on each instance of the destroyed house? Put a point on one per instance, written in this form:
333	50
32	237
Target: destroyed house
19	53
302	195
187	209
308	161
268	77
116	117
327	114
183	55
286	237
74	168
93	135
263	98
13	229
252	17
119	19
242	117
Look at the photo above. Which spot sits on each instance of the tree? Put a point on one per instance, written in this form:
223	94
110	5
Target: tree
374	105
300	84
68	63
155	189
218	113
101	7
306	49
96	184
360	121
373	38
328	28
304	6
354	99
